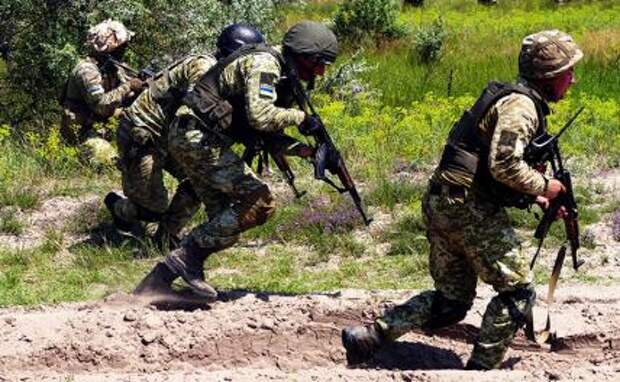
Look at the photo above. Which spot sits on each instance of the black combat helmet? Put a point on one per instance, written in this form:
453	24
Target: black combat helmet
236	35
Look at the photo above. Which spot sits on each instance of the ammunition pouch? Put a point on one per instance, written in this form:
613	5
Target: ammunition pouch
210	108
457	160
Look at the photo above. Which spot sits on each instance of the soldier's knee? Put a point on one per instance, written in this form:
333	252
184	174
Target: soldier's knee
257	208
446	312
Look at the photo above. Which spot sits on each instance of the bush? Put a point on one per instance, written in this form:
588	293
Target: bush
429	41
356	20
48	39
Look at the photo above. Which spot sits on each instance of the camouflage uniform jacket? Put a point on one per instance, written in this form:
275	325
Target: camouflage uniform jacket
252	80
508	127
101	94
154	109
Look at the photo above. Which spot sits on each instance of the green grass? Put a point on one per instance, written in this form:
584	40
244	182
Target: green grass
9	223
315	244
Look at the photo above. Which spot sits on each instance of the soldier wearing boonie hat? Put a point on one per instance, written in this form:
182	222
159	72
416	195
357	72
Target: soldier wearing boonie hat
481	172
96	90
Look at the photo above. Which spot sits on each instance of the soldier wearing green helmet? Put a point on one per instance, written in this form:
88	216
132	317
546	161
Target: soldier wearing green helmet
481	172
248	91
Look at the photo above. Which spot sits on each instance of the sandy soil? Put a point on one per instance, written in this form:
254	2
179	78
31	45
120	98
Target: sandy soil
265	337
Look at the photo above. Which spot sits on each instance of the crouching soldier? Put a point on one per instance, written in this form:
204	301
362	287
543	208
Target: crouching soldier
237	95
142	139
96	90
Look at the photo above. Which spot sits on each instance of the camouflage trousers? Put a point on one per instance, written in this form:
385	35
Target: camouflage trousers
142	167
469	240
234	197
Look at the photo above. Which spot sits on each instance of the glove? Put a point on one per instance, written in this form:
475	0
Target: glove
309	125
136	85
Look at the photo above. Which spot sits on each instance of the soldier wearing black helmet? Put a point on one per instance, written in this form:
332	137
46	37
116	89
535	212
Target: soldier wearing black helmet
142	139
243	91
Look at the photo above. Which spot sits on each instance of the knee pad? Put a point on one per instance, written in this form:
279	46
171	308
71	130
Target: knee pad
256	208
446	312
519	303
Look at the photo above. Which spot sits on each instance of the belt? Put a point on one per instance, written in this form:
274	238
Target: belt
452	191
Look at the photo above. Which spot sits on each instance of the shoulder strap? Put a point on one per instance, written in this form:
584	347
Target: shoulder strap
496	90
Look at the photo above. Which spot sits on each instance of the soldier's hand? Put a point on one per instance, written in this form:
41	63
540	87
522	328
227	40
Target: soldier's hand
554	188
309	125
542	202
136	85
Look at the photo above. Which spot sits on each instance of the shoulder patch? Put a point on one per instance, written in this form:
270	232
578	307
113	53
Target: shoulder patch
96	89
266	85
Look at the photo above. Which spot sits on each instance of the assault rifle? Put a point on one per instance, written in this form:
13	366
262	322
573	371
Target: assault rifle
324	155
545	148
144	74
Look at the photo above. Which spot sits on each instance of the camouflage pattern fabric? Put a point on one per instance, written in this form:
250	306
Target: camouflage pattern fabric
143	141
468	240
92	97
509	125
547	53
235	199
253	78
154	108
107	36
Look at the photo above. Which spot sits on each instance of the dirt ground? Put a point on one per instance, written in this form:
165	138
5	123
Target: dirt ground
263	337
269	337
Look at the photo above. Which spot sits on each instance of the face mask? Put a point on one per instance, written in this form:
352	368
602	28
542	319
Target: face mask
558	86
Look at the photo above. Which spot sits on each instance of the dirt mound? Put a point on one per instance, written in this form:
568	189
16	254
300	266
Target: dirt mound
257	337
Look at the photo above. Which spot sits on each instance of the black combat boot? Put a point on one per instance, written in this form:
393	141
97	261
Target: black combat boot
158	281
187	262
361	342
473	365
110	200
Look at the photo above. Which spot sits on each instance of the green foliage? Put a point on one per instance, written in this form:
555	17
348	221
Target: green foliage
49	37
429	41
356	20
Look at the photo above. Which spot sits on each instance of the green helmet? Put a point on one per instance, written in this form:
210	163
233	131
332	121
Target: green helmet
311	38
548	53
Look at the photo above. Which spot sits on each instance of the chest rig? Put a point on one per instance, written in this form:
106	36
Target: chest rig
467	150
224	114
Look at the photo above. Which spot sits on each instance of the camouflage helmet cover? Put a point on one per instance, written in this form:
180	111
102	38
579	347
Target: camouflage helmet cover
548	53
312	38
107	36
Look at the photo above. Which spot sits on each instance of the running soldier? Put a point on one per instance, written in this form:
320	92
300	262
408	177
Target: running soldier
249	91
482	171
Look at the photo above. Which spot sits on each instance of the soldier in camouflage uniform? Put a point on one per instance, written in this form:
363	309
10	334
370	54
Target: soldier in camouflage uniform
481	172
142	139
242	93
96	91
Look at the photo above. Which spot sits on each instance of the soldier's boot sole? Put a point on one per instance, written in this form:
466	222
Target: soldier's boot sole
192	275
158	281
110	200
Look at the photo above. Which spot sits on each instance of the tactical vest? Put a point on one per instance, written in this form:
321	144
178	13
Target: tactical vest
467	152
218	112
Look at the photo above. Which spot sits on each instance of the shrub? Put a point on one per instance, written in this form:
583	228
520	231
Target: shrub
359	19
48	39
429	41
